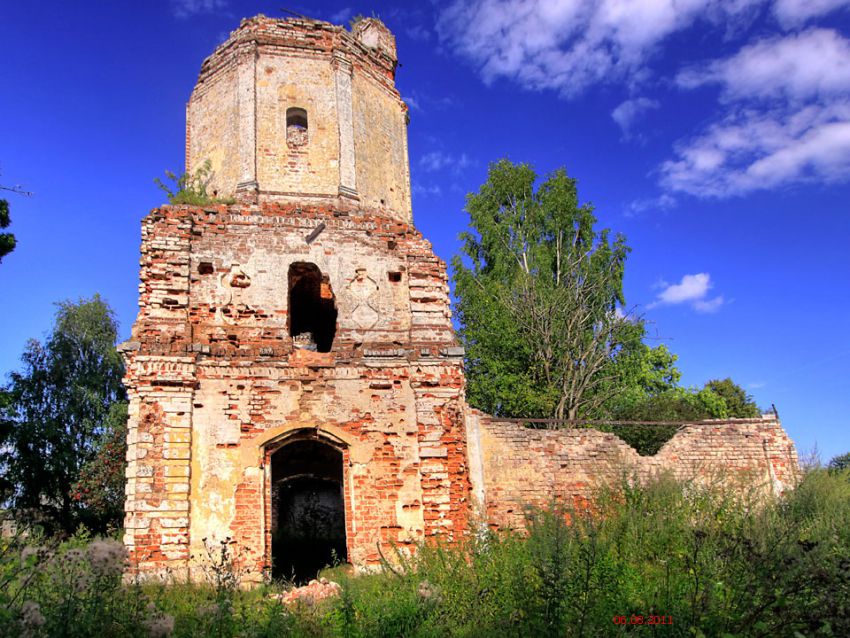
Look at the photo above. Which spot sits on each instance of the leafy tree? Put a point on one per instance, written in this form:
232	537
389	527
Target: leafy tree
57	411
539	302
538	292
100	487
738	402
839	463
7	240
6	485
643	372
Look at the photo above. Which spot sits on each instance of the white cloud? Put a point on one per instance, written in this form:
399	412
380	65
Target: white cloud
341	16
794	12
786	120
418	32
693	290
796	67
751	150
692	287
708	305
426	190
425	102
189	8
412	102
627	112
784	112
650	204
569	45
437	160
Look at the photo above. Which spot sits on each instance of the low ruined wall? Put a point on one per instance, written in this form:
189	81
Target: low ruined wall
512	467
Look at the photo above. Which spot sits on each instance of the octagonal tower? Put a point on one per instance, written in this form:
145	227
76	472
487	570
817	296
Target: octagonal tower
300	110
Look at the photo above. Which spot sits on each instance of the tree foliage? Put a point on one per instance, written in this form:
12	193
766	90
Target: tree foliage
539	301
100	486
538	292
57	412
840	463
738	403
671	402
7	240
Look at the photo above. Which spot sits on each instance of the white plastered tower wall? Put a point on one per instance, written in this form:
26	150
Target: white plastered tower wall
343	81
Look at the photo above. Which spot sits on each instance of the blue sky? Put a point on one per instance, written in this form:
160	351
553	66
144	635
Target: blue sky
714	133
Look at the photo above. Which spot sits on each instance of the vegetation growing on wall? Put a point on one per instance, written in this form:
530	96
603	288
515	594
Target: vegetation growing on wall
191	188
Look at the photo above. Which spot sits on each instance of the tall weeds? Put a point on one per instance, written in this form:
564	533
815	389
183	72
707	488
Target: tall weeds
702	561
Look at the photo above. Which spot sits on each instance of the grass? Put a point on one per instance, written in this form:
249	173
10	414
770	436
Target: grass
706	562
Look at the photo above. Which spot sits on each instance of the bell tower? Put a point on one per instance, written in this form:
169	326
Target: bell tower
289	110
295	384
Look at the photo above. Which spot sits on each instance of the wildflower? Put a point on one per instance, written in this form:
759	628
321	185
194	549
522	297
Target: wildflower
31	616
428	592
107	557
158	625
209	610
74	555
83	581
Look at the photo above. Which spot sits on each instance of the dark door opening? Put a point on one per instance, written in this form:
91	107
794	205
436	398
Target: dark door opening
308	510
312	307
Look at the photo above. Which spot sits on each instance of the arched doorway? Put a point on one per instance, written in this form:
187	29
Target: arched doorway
307	509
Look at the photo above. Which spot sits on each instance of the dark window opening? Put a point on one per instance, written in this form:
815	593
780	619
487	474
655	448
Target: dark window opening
394	277
312	308
296	126
205	268
308	510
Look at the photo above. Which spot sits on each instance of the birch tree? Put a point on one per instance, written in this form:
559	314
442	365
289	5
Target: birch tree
540	298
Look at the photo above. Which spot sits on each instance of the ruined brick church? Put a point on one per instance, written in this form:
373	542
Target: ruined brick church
295	382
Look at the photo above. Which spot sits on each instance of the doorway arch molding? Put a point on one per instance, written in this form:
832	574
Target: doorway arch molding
353	450
332	435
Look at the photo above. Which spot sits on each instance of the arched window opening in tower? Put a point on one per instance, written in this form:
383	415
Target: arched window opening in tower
308	509
312	308
296	127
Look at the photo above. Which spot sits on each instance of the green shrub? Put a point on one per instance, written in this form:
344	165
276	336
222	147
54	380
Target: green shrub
191	188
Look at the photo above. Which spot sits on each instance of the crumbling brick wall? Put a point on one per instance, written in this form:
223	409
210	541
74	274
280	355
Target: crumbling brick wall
216	381
513	467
